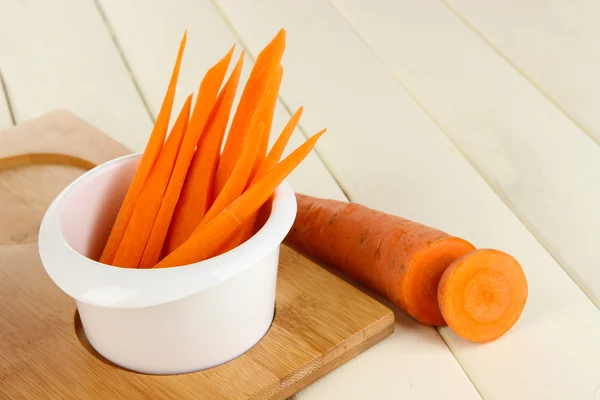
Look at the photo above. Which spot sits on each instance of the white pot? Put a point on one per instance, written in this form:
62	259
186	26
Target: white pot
160	321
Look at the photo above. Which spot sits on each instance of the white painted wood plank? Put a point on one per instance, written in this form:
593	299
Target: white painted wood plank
539	161
149	51
414	353
58	54
389	155
5	118
554	43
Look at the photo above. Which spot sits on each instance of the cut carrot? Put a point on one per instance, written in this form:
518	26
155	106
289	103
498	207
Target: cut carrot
247	230
265	67
399	259
149	157
207	241
265	113
482	295
239	177
196	195
207	96
279	146
142	219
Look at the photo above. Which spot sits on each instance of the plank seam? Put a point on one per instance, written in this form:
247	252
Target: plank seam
471	25
6	95
287	108
117	45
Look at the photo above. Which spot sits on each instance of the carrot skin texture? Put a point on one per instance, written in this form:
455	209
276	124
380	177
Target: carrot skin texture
197	193
397	258
208	240
207	96
149	157
144	214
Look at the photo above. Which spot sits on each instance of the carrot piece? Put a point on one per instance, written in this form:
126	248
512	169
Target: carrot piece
205	242
140	224
149	157
196	195
207	96
265	114
278	148
399	259
266	65
482	294
239	177
247	230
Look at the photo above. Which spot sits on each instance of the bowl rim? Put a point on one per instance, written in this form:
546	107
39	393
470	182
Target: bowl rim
104	285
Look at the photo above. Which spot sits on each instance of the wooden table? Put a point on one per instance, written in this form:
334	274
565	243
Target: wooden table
479	117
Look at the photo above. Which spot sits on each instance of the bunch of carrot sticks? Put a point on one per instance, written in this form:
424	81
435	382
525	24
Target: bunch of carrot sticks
192	198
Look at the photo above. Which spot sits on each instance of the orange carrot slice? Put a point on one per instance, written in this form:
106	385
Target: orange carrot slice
265	114
278	148
196	195
239	177
247	230
265	67
482	295
142	219
149	157
207	96
205	242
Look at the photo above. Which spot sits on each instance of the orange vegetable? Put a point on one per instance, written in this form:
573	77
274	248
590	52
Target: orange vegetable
207	96
399	259
247	229
142	219
196	195
265	67
239	177
151	152
482	294
206	242
265	113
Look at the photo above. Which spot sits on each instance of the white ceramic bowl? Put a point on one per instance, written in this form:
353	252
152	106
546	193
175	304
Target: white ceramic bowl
160	321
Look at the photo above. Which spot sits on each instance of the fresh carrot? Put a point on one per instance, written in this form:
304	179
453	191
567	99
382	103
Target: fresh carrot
265	67
196	195
399	259
276	152
207	96
239	177
482	294
149	157
142	219
247	230
265	113
207	241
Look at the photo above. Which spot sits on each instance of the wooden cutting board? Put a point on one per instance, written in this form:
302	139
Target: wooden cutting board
320	320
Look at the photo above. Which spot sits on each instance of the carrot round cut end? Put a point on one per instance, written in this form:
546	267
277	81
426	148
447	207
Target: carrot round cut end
424	271
482	294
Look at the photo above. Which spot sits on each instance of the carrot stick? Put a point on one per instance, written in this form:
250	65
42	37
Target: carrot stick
266	64
196	195
247	230
482	294
399	259
207	96
279	146
205	242
265	114
140	224
149	157
239	177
